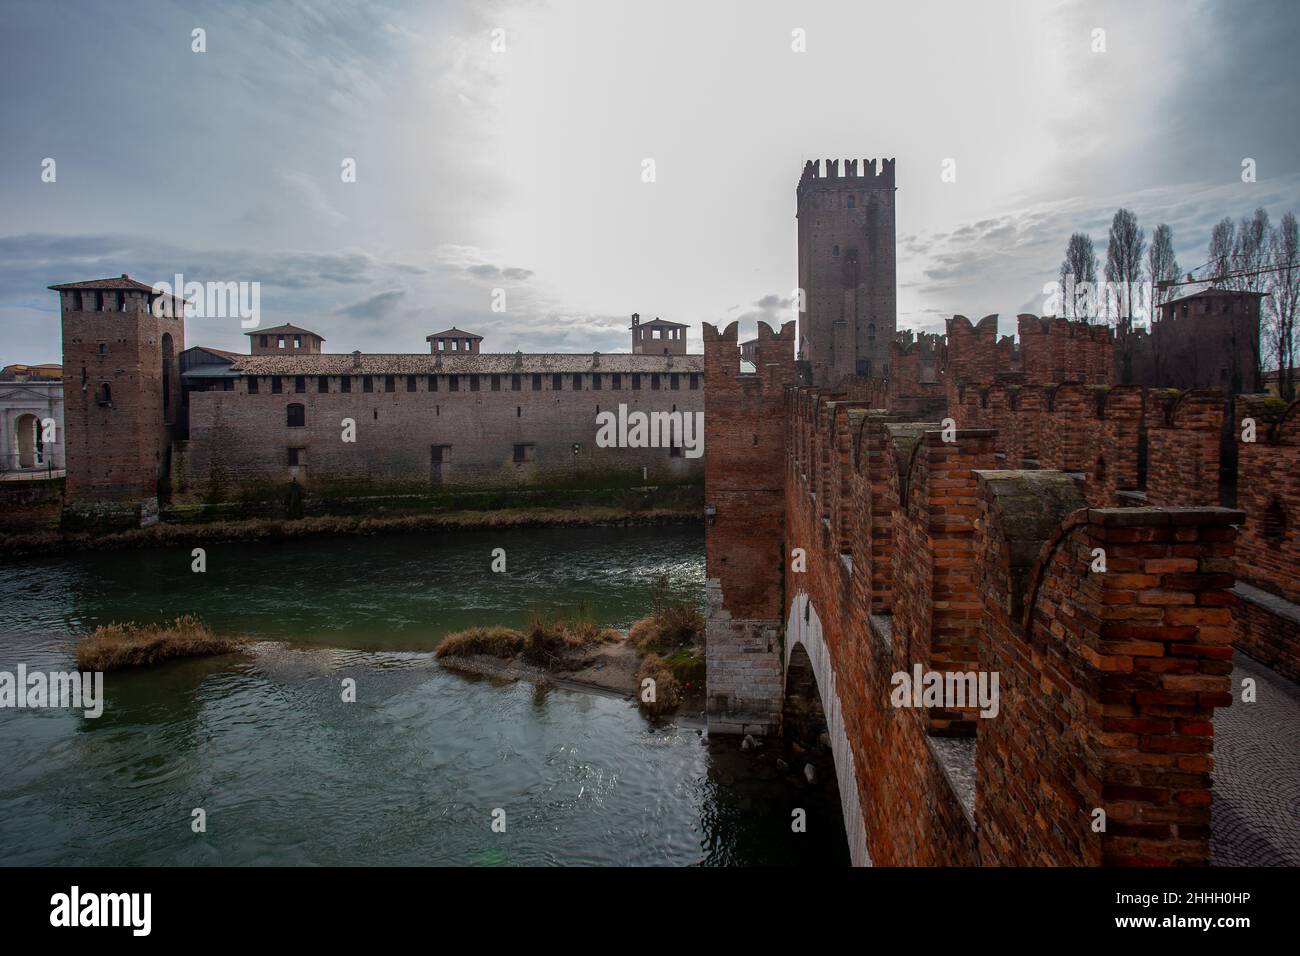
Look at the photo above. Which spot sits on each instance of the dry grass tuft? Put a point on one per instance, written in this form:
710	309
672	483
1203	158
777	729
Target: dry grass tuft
493	641
667	692
117	646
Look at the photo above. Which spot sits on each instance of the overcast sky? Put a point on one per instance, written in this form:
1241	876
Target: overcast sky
523	169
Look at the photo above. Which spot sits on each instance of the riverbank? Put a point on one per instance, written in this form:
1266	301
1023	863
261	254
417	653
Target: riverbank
284	529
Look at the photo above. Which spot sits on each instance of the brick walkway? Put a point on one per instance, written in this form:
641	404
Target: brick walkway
1256	817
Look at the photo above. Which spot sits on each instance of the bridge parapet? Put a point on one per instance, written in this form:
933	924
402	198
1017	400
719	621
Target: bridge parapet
1108	679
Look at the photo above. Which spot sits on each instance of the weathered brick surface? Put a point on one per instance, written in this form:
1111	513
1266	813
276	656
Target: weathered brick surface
847	268
1184	433
118	442
239	441
1268	490
745	433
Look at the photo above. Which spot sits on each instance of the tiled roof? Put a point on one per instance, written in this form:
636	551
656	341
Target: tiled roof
285	330
658	321
123	281
453	333
462	364
1211	291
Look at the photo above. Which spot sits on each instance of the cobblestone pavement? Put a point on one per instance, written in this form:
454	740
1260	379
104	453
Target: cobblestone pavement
1256	812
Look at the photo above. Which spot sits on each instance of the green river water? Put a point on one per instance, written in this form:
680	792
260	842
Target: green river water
287	773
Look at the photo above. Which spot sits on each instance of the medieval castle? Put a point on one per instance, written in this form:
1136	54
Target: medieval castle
1100	520
1041	510
145	415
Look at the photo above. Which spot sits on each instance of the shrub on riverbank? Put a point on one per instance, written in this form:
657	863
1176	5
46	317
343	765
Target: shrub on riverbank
667	694
272	529
117	646
493	641
673	626
549	639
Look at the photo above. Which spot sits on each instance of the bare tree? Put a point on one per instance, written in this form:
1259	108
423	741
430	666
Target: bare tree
1251	249
1162	266
1222	243
1079	266
1124	247
1284	289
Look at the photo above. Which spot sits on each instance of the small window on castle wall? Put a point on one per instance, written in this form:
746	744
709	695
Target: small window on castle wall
390	383
516	382
279	343
252	385
496	383
105	394
871	331
410	383
300	383
595	381
474	383
674	381
297	341
367	384
577	383
557	382
322	383
433	383
296	416
654	382
853	201
636	382
695	380
537	383
345	383
453	383
293	457
103	348
616	381
835	251
1273	524
523	453
275	384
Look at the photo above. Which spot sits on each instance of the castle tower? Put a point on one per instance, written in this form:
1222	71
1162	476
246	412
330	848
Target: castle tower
122	396
657	337
847	269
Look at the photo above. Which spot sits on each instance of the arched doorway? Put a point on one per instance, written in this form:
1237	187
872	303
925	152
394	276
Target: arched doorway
812	705
30	452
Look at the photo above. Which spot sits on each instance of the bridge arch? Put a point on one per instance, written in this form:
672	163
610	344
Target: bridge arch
803	633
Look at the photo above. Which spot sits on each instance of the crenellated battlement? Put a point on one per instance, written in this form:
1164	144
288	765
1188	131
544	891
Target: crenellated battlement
848	174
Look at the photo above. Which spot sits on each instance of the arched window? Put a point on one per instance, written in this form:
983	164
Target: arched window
871	331
105	394
297	417
835	251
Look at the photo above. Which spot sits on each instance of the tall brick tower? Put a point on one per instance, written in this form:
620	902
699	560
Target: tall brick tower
121	397
847	269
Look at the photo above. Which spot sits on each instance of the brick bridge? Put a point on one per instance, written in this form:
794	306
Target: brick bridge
846	544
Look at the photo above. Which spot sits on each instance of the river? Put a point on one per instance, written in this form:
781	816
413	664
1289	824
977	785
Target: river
416	770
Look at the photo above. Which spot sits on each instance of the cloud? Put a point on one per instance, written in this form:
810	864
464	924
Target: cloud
379	306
